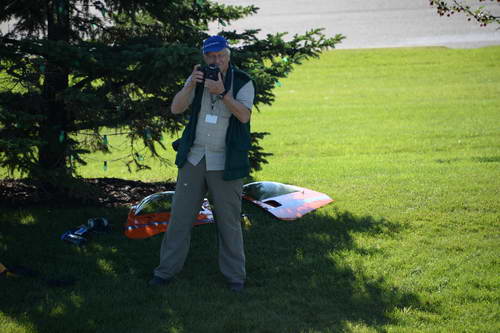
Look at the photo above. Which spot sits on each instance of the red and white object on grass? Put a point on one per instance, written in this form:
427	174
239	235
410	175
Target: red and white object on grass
152	215
286	202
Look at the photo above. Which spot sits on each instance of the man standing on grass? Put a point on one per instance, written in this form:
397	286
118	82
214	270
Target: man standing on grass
212	155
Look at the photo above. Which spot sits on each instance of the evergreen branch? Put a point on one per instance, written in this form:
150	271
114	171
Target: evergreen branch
482	16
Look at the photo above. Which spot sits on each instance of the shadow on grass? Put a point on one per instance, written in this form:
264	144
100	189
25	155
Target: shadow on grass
305	276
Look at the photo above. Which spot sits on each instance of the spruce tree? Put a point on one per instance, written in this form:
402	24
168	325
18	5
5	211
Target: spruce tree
72	68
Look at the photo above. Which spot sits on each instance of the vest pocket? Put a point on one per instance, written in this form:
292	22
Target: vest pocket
241	146
237	157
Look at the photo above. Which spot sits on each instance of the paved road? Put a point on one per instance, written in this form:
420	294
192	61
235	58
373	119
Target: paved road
369	23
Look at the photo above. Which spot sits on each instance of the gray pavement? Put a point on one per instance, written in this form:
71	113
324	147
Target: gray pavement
366	23
369	23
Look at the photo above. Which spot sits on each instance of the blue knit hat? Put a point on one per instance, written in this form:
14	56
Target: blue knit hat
214	44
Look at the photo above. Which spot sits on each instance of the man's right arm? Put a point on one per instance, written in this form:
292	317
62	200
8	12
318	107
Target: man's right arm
184	97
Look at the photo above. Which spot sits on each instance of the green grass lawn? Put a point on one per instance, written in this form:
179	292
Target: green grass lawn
407	141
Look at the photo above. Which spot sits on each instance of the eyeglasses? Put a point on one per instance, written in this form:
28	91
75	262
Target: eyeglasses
215	57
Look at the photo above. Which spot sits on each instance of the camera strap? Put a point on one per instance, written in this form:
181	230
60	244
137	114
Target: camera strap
228	79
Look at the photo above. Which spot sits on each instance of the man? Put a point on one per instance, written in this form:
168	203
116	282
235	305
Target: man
212	155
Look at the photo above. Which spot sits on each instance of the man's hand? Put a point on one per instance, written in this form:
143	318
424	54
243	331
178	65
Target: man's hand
215	87
196	76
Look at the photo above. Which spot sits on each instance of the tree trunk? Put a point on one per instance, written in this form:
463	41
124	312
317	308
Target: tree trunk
52	153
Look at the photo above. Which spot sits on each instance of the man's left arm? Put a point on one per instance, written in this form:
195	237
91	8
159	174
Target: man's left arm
237	108
241	107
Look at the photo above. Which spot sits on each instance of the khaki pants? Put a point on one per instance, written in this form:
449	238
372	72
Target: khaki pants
192	185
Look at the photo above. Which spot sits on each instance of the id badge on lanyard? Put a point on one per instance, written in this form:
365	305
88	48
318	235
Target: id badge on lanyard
211	118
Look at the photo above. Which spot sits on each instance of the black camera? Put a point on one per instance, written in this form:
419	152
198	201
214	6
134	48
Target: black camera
210	72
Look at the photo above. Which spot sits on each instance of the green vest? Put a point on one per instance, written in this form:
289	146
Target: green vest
238	140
